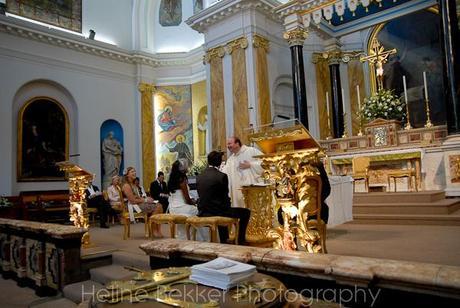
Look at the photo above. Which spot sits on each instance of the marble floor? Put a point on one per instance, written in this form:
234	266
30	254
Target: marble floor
421	243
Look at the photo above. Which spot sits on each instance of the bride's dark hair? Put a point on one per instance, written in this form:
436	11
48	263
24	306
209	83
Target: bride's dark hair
177	176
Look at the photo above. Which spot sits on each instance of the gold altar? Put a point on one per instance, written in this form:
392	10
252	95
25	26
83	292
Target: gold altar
293	184
78	182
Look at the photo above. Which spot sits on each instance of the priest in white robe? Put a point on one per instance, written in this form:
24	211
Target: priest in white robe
242	169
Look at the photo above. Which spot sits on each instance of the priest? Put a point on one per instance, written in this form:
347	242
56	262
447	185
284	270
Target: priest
241	168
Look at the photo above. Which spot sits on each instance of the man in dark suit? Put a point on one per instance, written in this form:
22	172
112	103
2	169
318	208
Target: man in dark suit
159	191
95	199
212	187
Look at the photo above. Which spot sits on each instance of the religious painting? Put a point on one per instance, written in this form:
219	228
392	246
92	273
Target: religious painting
43	140
202	130
173	126
62	13
418	44
111	151
454	167
197	6
170	13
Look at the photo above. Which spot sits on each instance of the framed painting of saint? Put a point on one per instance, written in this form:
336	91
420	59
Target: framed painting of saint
43	140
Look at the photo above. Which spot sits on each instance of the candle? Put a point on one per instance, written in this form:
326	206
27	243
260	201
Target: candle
343	103
327	103
425	85
405	89
359	98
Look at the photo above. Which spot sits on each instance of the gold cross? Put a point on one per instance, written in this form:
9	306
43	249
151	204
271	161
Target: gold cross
378	56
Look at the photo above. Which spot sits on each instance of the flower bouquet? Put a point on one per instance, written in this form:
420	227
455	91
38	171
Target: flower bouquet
383	104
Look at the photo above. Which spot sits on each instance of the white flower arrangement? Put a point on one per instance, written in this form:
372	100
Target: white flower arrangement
383	104
5	202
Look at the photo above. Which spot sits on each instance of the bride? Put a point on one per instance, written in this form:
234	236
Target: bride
180	202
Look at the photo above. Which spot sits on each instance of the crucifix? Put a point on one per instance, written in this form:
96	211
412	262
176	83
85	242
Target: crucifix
378	56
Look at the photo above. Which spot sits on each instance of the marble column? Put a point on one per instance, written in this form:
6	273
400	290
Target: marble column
295	38
336	99
218	131
261	46
450	45
148	136
236	49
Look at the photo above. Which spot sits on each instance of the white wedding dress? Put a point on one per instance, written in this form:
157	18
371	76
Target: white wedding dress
179	206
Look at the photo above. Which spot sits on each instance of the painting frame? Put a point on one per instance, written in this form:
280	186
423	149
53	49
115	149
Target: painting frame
22	174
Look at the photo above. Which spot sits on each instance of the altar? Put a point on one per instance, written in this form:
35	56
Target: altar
340	201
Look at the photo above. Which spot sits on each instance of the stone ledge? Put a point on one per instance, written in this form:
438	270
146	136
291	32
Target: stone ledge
441	280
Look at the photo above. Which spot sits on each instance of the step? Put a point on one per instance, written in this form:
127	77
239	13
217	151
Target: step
445	206
140	261
398	197
54	303
383	219
83	290
105	274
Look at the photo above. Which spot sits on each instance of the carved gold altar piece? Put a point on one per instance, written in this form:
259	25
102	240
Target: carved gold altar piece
295	178
259	200
78	182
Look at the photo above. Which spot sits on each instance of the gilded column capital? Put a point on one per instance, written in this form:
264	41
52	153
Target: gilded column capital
296	36
216	52
241	42
259	41
146	87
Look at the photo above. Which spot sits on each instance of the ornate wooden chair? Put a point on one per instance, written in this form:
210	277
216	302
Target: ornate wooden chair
124	218
405	173
212	222
360	167
171	219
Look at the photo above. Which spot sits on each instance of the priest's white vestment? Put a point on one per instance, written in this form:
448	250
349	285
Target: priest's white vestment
238	177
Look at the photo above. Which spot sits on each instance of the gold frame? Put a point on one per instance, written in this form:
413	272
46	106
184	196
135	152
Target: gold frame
374	33
19	176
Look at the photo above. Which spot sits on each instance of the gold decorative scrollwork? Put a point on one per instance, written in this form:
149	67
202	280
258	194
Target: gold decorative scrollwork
296	36
259	41
216	52
241	42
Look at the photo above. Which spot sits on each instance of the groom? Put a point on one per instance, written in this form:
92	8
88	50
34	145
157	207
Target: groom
212	187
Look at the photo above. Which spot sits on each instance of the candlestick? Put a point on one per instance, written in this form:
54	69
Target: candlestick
428	120
329	133
345	134
425	84
360	114
407	104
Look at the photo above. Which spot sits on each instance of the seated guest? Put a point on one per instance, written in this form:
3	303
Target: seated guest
140	188
114	195
212	186
180	201
138	203
95	199
159	191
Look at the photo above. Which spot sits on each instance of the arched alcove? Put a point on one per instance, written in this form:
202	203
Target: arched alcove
27	94
112	145
283	98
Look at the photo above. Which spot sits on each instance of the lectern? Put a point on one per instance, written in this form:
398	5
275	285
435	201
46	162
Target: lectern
78	182
290	162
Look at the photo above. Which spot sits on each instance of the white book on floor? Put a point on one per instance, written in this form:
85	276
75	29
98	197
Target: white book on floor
222	273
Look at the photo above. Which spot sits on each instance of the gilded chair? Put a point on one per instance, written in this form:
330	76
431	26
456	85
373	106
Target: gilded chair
193	223
360	167
171	219
124	218
309	217
408	173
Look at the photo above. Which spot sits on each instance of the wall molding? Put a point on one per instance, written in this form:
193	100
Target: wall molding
24	29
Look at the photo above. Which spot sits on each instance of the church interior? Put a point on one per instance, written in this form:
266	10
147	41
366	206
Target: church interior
366	90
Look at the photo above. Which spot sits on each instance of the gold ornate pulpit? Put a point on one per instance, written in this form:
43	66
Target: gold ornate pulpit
290	167
78	182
